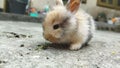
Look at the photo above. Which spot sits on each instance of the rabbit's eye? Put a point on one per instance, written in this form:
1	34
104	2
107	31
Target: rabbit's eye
56	26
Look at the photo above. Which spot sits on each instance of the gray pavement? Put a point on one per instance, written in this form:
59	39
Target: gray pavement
19	40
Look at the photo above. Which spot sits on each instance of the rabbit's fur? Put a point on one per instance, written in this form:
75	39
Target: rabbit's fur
62	25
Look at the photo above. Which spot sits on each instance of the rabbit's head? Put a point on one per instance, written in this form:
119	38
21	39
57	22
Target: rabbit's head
60	22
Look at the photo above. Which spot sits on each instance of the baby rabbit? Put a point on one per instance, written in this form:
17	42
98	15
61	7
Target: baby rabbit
68	24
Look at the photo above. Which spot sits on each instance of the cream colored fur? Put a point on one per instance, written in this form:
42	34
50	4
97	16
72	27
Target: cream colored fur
76	32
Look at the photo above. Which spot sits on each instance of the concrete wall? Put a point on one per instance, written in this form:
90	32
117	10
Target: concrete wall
40	4
92	8
1	3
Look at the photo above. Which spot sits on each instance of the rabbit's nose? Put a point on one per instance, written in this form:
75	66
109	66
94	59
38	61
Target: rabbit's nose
46	36
50	38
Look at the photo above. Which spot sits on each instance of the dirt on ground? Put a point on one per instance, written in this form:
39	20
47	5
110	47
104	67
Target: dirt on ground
22	46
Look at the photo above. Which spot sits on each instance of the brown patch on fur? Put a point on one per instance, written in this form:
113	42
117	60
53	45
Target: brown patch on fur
53	17
50	37
73	5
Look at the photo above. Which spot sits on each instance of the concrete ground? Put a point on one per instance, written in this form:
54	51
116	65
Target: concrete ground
19	40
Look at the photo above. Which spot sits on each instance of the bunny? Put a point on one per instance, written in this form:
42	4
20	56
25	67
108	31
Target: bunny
68	24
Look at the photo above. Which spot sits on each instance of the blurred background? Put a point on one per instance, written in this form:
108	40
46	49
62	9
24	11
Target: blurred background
106	13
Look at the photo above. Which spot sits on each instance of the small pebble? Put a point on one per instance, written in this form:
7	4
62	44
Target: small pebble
96	66
17	36
47	57
24	36
21	54
30	49
2	62
22	45
27	53
113	52
30	36
38	45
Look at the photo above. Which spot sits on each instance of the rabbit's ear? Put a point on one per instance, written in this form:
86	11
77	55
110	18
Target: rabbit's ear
59	2
73	5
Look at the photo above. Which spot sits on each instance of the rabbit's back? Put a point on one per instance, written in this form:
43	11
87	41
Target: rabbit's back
86	25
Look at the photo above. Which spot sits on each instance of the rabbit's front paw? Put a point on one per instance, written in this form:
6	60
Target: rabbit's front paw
75	46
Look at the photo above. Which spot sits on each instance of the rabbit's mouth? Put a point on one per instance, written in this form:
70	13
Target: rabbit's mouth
56	40
52	39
